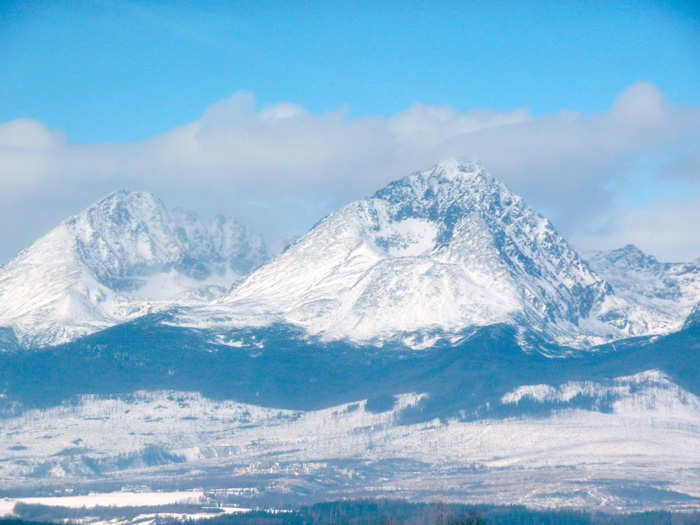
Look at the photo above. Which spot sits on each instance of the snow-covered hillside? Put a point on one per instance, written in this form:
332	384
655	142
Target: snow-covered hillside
122	257
647	438
443	250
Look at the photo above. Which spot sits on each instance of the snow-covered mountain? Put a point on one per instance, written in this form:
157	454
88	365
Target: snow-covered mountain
122	257
658	297
433	255
443	250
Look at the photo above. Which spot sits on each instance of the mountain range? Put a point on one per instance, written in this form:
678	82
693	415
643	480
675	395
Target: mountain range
438	339
433	255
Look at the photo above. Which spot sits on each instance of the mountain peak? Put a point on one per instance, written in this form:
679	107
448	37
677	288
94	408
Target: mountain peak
454	194
447	188
447	172
119	215
451	168
632	257
124	194
128	198
631	249
448	248
118	258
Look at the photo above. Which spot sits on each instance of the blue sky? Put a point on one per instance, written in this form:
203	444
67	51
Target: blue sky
116	71
279	112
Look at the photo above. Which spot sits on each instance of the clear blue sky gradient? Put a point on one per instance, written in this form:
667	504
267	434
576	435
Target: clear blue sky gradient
119	71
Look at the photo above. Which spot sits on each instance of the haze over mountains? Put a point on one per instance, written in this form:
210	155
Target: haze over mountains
432	255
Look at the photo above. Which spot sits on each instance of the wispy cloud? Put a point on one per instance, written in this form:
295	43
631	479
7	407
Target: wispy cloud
282	167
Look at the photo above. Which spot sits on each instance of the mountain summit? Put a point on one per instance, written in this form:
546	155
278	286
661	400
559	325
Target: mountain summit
121	257
441	250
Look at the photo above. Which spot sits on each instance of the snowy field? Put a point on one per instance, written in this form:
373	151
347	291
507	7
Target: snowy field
95	502
112	499
643	452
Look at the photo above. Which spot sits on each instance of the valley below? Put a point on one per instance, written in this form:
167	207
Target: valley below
625	443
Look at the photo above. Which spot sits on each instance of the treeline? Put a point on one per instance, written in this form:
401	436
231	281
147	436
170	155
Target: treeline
393	512
369	512
34	513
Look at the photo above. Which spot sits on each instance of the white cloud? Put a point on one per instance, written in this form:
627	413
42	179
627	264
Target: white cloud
282	167
668	228
642	104
28	135
683	166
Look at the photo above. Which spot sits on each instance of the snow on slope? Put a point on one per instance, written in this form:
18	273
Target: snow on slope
659	296
649	435
122	257
445	249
